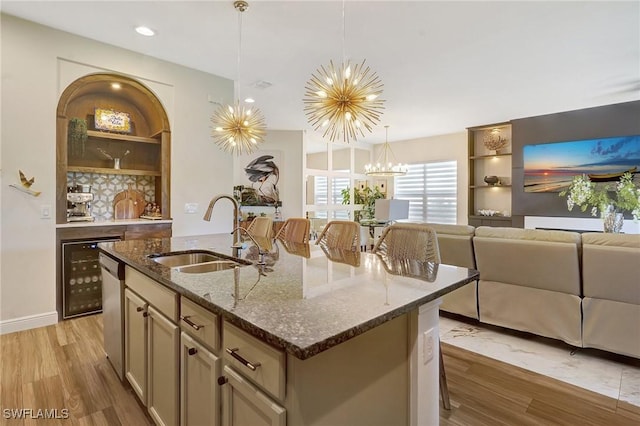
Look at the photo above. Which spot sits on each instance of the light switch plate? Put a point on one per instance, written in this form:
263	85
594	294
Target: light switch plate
45	211
191	208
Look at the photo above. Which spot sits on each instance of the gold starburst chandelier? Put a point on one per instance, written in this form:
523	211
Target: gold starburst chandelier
386	165
343	101
236	128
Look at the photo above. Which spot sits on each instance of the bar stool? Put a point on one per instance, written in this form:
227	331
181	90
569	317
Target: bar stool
416	242
295	230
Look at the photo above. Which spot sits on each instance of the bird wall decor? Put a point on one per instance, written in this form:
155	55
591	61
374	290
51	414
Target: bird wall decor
25	184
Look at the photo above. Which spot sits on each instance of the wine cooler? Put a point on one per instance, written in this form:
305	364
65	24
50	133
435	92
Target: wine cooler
81	278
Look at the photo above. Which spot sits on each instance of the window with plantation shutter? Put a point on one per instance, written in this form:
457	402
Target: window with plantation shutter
338	184
431	189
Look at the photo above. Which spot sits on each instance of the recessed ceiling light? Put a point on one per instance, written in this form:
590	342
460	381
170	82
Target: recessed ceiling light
249	100
116	86
145	31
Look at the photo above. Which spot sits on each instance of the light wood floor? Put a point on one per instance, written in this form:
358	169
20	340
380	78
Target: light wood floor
63	366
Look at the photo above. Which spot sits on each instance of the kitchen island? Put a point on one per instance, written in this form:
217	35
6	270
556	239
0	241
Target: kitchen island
357	336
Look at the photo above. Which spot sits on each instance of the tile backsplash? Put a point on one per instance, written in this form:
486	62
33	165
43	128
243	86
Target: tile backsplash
105	188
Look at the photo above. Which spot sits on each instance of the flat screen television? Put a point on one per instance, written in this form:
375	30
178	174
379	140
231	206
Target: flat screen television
550	167
390	210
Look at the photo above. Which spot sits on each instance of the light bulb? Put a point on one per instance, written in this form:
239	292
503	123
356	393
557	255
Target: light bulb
347	72
371	97
329	81
218	129
321	93
347	115
230	109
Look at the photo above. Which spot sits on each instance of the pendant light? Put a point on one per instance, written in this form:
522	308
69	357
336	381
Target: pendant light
238	129
343	101
385	165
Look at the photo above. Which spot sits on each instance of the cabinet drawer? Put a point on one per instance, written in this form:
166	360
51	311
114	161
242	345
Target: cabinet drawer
269	374
200	323
164	299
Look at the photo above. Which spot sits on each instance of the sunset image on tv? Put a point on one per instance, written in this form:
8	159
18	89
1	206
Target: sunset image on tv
550	167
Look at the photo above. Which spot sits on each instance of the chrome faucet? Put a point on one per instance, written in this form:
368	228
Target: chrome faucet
261	251
236	213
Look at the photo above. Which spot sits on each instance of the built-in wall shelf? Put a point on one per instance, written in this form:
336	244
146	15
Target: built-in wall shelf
112	171
489	186
485	162
481	157
121	137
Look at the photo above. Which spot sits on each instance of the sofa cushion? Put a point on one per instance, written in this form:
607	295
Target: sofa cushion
611	267
546	260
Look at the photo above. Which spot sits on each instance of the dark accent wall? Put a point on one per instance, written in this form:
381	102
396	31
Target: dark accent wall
599	122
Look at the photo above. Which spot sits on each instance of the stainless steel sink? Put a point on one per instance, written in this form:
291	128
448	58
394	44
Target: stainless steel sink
218	265
197	261
172	260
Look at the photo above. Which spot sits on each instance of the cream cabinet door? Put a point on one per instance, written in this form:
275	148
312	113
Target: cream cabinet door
246	405
135	343
163	342
199	390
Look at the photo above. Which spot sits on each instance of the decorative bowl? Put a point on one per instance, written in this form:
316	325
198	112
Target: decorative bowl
492	180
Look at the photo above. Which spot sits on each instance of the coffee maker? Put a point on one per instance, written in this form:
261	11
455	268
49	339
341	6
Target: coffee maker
79	200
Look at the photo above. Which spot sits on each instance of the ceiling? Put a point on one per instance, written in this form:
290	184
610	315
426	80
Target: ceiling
445	65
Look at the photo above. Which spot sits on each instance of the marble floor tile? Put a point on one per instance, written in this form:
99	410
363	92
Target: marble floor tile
607	374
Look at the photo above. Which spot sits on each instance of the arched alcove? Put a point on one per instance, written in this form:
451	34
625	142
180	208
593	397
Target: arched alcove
144	151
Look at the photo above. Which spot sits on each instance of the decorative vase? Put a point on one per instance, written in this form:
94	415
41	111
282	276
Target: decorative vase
612	220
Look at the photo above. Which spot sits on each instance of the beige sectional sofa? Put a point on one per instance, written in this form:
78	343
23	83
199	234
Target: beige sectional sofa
611	290
583	289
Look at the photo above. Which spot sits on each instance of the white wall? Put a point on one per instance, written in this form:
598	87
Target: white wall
289	143
37	63
436	148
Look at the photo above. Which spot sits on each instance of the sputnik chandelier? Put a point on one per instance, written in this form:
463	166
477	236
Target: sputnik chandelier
343	101
238	129
384	167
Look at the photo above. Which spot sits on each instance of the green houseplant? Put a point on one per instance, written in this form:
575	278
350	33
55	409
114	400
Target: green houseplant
77	136
366	197
605	200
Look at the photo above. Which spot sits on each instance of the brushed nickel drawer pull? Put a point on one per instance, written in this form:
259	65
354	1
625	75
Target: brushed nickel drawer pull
250	366
191	323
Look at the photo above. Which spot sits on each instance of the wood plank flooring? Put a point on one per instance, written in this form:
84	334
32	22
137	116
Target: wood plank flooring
63	367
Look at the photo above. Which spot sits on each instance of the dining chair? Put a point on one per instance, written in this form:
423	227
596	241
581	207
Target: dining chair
342	234
261	227
295	229
419	242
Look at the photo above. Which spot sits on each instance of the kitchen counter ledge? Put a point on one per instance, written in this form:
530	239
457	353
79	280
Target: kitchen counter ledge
302	304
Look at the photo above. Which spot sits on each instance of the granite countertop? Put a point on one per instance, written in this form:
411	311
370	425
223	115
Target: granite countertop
306	299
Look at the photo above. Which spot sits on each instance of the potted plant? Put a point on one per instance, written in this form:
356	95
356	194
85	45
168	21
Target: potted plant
77	136
366	197
607	200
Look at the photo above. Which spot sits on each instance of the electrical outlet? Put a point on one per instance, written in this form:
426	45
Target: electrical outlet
191	208
429	345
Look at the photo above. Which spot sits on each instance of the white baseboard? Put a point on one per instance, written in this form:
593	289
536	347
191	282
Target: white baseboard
28	322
